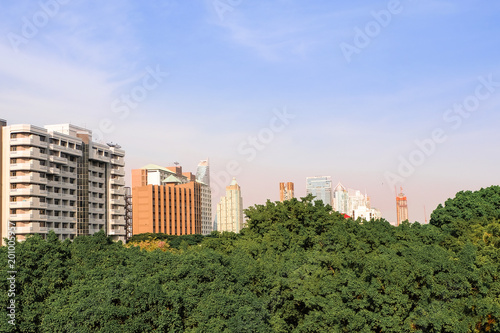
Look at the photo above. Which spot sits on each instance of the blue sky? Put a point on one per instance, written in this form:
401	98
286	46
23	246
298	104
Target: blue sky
233	65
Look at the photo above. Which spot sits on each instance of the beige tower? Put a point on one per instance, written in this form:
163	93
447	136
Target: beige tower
286	191
401	207
230	209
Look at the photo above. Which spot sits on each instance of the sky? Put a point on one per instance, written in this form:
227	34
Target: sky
378	95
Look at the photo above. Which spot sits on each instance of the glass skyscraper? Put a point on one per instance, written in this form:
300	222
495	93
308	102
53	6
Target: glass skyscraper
321	188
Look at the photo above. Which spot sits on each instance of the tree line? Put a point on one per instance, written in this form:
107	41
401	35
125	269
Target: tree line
298	266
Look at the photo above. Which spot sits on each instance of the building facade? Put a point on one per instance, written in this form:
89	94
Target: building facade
286	191
341	199
203	177
321	188
230	209
165	200
401	208
54	178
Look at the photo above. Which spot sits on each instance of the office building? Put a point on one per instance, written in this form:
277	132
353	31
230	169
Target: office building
320	188
230	209
286	191
401	207
341	199
55	178
203	177
165	200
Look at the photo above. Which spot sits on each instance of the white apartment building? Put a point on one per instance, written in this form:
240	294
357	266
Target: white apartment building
56	178
230	209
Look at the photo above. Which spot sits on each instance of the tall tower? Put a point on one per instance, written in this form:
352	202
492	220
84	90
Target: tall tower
230	209
321	188
203	177
401	207
286	191
341	199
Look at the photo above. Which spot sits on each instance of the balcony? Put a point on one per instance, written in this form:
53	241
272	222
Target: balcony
119	202
96	189
33	216
97	157
96	210
119	171
35	228
96	179
118	221
120	191
117	181
68	185
33	165
61	219
72	151
58	159
120	161
31	191
29	178
28	153
30	141
33	203
119	232
68	174
117	211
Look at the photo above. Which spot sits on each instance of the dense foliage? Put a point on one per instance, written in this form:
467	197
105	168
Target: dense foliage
297	267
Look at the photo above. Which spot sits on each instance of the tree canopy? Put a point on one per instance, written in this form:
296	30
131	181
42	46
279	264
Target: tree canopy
298	266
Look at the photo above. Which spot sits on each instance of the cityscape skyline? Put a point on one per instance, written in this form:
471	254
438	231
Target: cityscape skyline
374	95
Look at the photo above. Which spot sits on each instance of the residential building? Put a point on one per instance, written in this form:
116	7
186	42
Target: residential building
321	188
55	178
165	200
286	191
401	207
230	209
203	177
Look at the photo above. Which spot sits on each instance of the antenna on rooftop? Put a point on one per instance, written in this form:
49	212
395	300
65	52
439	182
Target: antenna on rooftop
176	163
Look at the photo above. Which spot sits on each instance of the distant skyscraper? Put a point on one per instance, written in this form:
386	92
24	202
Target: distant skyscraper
321	188
203	177
341	199
230	209
203	172
354	204
401	207
286	191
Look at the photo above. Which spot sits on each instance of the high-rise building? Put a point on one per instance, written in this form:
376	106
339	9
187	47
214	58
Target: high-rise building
56	179
286	191
230	209
165	200
353	203
128	212
341	199
203	177
401	208
321	188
